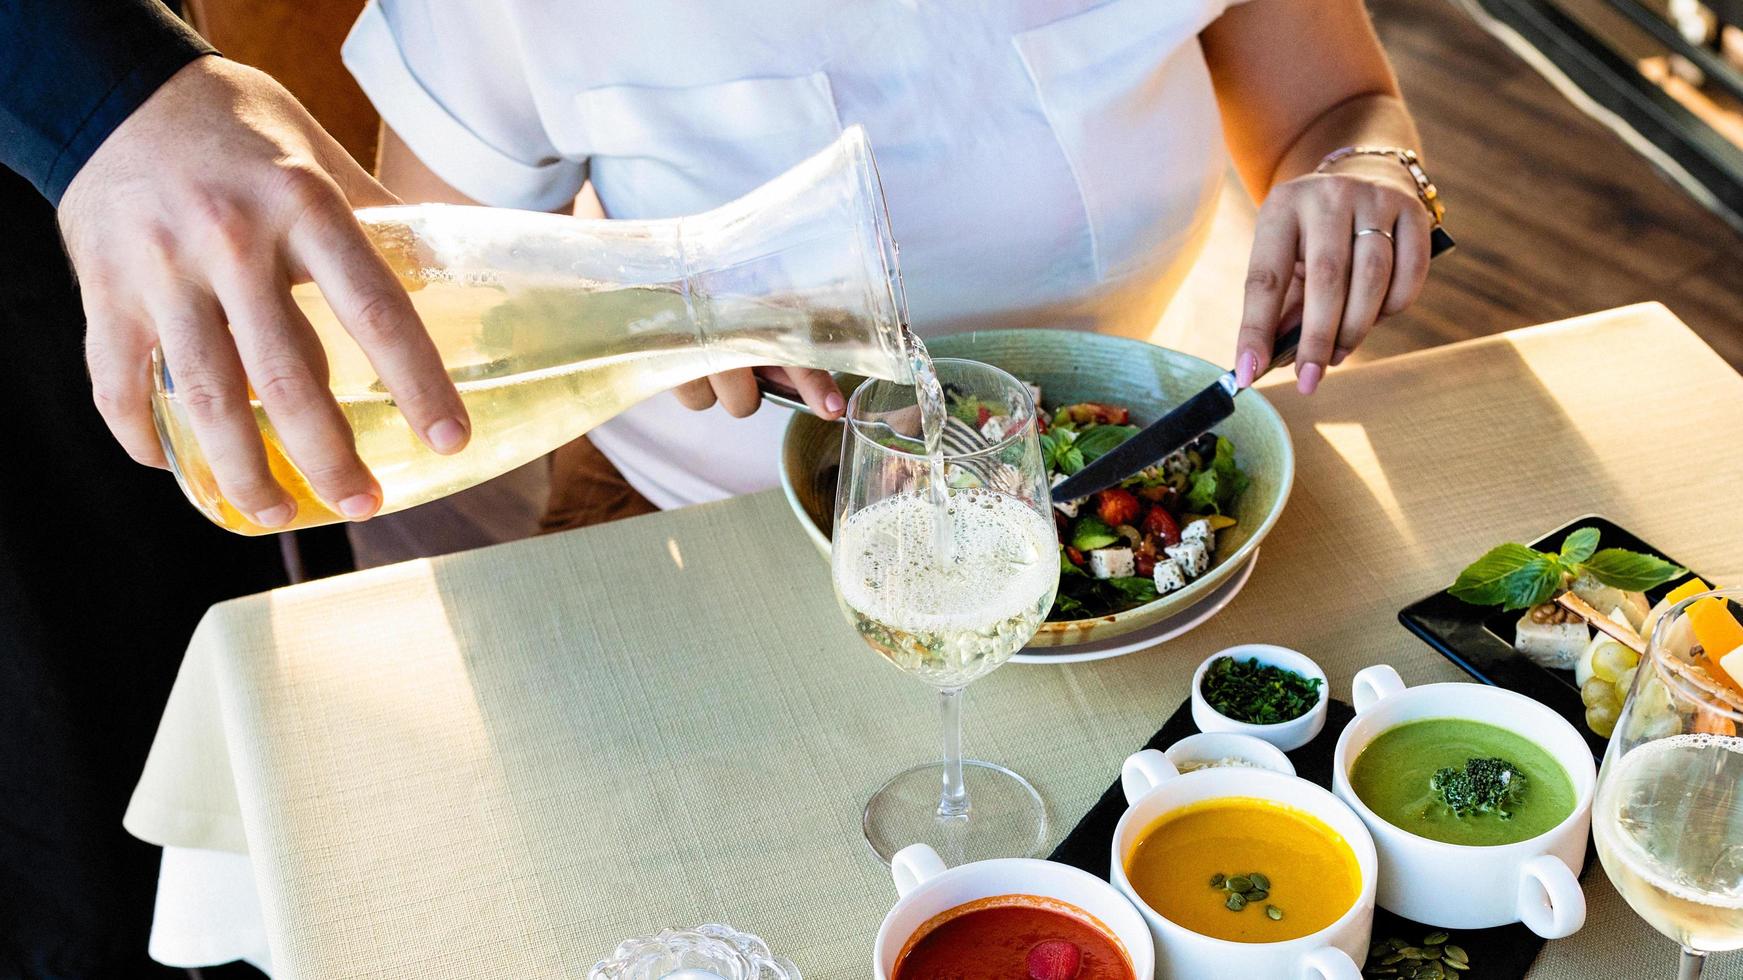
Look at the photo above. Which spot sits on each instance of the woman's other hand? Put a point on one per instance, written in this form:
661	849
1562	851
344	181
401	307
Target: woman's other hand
1349	246
737	392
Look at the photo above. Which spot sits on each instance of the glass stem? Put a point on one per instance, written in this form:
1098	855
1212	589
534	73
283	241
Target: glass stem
954	802
1693	962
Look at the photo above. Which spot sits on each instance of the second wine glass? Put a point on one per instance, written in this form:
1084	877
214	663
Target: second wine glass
947	567
1669	814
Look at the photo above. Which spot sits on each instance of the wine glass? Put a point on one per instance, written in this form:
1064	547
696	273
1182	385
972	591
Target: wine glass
1669	813
946	566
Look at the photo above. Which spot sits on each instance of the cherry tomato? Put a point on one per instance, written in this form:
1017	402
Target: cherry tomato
1117	506
1074	556
1162	524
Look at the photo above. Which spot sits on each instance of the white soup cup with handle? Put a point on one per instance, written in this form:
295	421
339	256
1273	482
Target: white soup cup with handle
1463	886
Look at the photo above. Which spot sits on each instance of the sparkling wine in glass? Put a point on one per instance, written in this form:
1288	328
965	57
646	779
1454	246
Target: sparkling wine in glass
1668	819
946	563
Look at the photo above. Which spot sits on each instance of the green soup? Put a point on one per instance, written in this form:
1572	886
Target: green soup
1395	777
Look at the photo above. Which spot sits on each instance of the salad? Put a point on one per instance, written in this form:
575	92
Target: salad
1136	542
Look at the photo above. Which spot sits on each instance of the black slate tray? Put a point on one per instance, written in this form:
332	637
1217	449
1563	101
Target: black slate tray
1503	953
1480	638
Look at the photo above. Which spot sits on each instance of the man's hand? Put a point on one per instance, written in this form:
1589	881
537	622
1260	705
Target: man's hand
187	228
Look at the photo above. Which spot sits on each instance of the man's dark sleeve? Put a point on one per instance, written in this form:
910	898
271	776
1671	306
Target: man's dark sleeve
72	70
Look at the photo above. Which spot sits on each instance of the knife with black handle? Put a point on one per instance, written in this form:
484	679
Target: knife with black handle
1188	420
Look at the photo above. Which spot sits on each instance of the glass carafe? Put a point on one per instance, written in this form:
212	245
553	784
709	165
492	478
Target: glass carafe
550	324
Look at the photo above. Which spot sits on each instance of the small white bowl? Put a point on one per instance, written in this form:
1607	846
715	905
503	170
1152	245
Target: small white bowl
926	889
1286	735
1212	747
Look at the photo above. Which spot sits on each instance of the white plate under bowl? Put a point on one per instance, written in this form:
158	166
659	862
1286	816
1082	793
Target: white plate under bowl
1162	632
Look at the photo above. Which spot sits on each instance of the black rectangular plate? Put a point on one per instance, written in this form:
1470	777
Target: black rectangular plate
1480	638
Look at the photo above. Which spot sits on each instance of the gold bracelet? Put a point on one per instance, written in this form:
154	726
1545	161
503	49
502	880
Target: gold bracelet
1406	157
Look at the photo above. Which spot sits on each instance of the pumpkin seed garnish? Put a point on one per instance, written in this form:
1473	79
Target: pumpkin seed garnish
1434	959
1236	902
1217	880
1240	883
1274	913
1260	881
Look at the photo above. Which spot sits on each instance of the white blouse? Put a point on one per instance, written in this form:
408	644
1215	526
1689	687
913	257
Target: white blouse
1046	162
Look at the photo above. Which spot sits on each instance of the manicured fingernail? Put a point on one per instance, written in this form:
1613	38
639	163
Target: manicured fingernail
1246	368
833	403
277	516
446	436
1308	378
358	506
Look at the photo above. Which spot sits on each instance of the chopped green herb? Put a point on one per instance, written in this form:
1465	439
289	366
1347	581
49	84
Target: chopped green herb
1258	694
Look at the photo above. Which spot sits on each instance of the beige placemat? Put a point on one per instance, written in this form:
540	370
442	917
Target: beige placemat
502	762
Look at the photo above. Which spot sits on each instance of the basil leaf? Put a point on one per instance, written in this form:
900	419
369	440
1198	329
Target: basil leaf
1535	582
1579	545
1631	571
1069	460
1101	439
1481	582
1217	486
1135	588
1090	534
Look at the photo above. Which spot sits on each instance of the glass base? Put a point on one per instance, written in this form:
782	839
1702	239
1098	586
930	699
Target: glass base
1006	817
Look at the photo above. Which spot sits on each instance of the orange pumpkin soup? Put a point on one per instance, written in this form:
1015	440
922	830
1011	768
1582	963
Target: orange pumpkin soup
1246	870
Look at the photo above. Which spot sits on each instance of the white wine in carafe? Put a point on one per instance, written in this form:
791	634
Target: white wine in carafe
549	325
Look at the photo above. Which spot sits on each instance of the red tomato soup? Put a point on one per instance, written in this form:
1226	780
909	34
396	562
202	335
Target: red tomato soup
1013	937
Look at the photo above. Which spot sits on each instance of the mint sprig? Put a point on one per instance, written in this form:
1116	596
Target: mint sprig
1514	576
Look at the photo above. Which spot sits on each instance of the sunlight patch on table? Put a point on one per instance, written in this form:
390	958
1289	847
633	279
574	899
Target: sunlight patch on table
391	658
1350	441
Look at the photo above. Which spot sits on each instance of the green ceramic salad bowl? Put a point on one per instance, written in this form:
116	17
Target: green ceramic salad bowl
1072	366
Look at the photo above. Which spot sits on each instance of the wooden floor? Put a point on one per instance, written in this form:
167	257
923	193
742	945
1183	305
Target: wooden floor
1555	216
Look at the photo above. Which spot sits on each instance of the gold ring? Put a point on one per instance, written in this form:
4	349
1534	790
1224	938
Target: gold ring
1374	231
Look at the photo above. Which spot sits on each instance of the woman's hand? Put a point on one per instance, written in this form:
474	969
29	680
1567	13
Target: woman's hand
736	391
1308	253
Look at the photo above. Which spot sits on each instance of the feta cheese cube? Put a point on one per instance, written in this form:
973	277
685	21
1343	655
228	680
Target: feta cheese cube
1066	507
1554	645
1198	530
1192	557
996	428
1111	562
1169	576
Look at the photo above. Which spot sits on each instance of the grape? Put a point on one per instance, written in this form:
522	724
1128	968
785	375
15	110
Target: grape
1625	683
1602	719
1611	659
1596	693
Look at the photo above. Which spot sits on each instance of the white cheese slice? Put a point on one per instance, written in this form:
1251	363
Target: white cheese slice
1168	576
1111	562
1192	557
